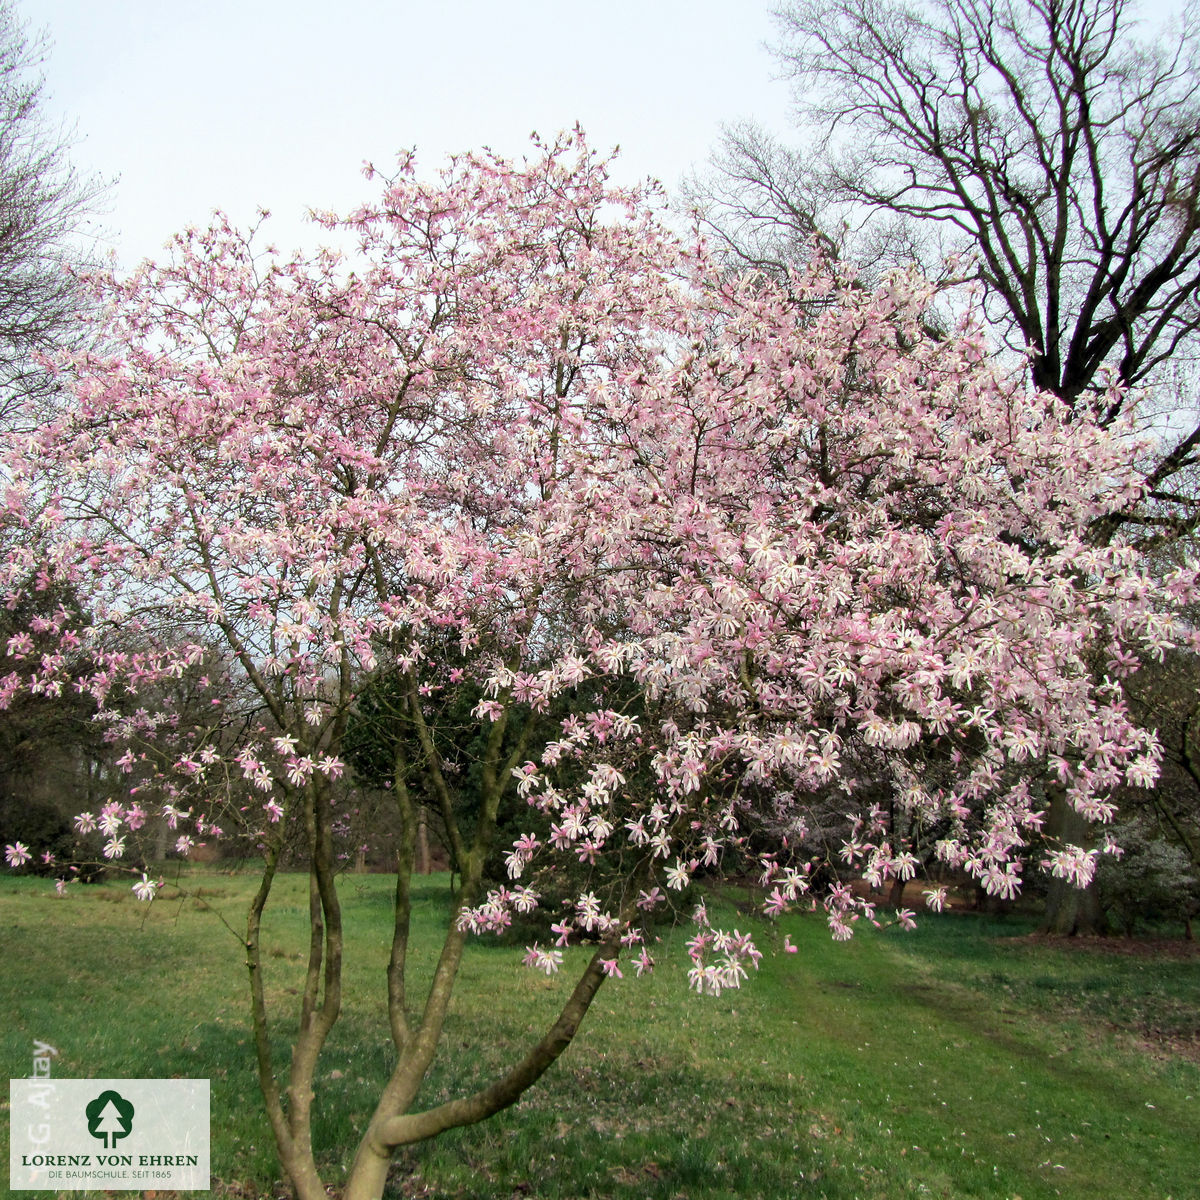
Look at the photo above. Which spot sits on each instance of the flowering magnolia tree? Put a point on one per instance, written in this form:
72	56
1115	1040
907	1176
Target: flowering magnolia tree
767	557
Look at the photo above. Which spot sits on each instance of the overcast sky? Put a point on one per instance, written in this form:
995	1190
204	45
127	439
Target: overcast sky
188	106
245	103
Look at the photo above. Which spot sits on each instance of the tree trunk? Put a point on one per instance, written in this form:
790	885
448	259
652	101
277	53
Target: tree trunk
422	842
1070	911
368	1175
388	1132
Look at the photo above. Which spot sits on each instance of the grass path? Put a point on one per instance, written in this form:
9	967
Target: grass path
954	1062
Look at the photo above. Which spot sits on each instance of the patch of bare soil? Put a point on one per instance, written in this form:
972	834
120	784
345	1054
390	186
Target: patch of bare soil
1170	1045
1151	1040
1133	947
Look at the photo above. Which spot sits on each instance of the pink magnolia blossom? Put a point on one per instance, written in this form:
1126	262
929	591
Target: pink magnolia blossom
1073	863
548	961
146	888
17	854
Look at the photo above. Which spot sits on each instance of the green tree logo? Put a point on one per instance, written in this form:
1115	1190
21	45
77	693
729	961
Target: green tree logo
109	1117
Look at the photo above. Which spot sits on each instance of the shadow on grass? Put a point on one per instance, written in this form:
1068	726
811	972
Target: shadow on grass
639	1130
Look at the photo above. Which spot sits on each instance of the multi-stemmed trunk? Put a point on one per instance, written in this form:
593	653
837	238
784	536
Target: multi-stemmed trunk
416	1039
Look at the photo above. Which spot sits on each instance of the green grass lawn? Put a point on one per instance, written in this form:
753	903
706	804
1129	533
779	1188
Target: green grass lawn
958	1061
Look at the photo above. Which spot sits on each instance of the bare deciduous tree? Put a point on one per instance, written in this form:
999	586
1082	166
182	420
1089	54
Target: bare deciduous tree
1038	136
44	202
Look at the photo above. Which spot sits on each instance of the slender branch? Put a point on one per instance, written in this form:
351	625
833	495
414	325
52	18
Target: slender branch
403	1130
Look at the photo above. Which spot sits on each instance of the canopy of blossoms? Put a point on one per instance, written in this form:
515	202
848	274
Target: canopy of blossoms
817	554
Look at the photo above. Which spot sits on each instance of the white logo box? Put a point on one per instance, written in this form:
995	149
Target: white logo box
108	1134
